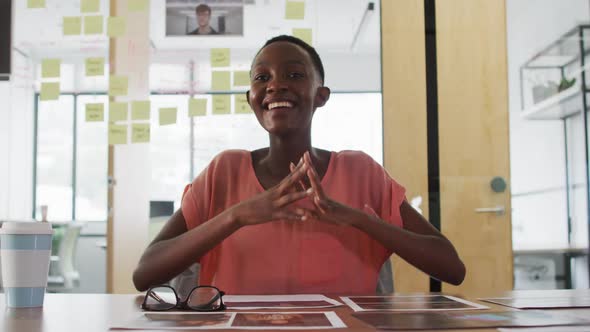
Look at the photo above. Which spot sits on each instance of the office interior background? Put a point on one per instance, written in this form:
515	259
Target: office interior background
52	156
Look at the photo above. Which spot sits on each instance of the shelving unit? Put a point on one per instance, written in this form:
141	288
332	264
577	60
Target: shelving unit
548	73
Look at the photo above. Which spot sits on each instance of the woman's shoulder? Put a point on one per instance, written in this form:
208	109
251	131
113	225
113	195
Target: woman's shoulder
354	157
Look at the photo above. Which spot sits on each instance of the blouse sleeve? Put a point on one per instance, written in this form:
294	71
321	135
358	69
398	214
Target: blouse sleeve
196	198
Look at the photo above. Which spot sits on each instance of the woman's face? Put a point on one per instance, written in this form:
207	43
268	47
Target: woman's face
285	89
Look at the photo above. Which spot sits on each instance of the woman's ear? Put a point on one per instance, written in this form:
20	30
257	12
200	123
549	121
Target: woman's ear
248	97
322	95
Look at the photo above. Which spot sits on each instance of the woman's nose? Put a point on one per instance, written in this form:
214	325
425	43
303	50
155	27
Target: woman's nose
276	84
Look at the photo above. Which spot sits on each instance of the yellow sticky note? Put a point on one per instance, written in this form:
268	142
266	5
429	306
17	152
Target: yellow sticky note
49	90
117	111
118	85
72	25
94	112
117	134
220	57
93	25
35	3
303	34
116	26
140	133
89	6
137	5
221	104
197	107
50	68
241	105
295	10
220	81
241	78
167	116
140	110
94	66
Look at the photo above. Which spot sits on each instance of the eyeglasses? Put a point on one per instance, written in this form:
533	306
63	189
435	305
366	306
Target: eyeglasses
200	298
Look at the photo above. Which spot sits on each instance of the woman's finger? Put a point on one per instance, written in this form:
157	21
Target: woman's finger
292	168
287	215
292	197
292	178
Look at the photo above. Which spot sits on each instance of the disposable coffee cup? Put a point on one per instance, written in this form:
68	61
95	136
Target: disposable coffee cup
25	250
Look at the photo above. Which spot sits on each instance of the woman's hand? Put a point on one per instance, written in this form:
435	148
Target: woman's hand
274	203
325	209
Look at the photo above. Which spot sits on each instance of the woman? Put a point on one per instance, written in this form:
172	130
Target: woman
292	218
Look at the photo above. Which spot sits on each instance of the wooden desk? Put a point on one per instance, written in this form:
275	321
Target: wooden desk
98	312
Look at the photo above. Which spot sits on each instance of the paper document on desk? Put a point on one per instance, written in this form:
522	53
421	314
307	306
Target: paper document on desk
299	301
548	329
564	301
234	320
409	303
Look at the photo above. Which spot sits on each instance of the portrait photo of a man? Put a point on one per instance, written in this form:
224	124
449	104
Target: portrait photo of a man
204	17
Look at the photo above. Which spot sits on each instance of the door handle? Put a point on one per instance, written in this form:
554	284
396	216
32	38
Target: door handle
498	210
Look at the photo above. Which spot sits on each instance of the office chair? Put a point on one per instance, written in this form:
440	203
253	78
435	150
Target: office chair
63	275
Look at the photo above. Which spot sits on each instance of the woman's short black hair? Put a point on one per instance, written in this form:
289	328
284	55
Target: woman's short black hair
315	57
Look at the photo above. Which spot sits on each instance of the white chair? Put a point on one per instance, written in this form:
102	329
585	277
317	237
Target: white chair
63	275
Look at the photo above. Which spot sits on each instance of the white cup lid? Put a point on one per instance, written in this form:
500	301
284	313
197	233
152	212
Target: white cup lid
26	228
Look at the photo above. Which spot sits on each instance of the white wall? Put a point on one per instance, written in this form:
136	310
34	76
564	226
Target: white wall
16	141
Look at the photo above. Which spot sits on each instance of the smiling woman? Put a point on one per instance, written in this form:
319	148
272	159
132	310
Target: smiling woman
292	218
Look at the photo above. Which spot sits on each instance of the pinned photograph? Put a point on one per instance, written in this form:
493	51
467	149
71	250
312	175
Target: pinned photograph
204	17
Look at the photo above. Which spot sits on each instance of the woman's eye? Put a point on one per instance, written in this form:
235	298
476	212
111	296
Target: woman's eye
296	75
261	77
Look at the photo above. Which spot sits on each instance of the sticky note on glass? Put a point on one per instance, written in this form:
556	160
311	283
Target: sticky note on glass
89	6
118	85
241	78
295	10
117	111
140	133
116	26
167	116
93	25
94	66
241	105
49	91
197	107
221	104
50	68
117	134
35	3
303	34
220	81
220	57
72	25
137	5
140	110
94	112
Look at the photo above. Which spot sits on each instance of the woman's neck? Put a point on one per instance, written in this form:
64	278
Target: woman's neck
282	152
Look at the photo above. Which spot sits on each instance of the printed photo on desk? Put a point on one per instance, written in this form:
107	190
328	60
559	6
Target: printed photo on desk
196	18
409	303
298	301
566	301
234	320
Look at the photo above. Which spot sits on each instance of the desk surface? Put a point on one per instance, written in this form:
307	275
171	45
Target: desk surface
98	312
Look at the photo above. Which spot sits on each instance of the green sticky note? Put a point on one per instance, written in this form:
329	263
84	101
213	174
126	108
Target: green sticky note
295	10
94	112
303	34
50	68
117	111
116	26
140	133
35	3
241	105
197	107
118	85
72	25
93	25
241	78
117	134
137	5
167	116
89	6
94	66
220	81
140	110
49	90
220	57
221	104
